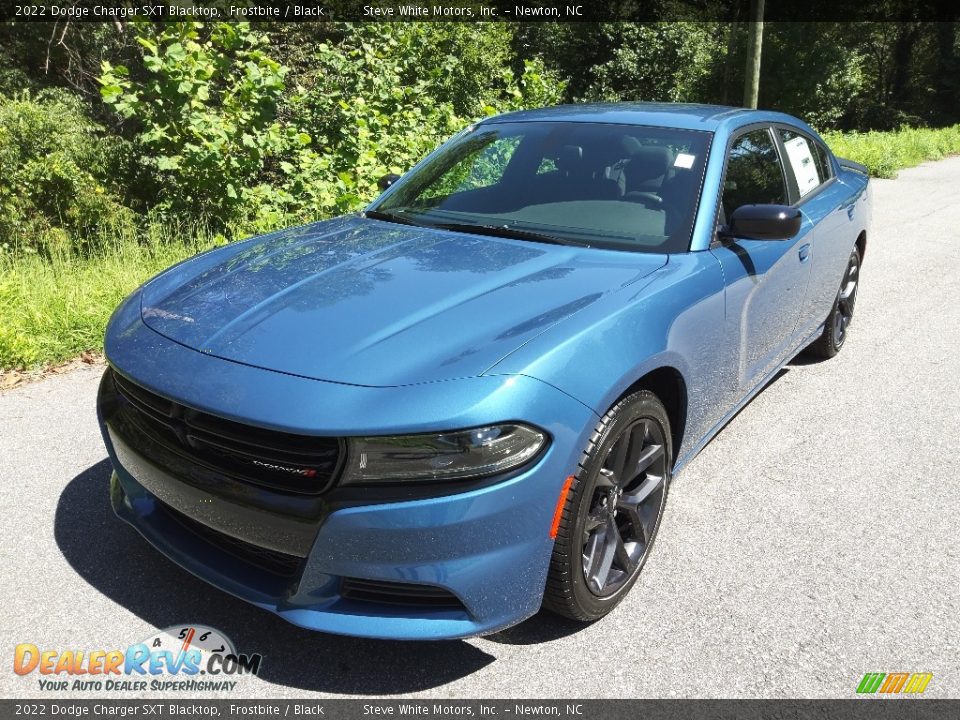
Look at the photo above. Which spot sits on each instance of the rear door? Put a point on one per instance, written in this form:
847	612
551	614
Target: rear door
823	201
766	280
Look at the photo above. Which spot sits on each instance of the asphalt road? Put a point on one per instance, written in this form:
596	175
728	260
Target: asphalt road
815	539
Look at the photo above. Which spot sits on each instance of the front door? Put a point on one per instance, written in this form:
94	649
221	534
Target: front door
766	280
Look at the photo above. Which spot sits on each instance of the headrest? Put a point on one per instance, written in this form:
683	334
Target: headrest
654	159
630	145
570	158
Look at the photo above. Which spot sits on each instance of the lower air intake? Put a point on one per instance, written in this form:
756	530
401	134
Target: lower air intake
396	593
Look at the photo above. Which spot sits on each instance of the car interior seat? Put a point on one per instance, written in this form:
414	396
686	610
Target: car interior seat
649	168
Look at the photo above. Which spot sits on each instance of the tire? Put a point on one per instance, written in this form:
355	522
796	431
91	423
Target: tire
602	544
838	321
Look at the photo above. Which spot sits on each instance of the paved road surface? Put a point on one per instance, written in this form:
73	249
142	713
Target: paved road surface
815	539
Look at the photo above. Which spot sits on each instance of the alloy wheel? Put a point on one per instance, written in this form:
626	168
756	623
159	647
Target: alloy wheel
625	507
846	300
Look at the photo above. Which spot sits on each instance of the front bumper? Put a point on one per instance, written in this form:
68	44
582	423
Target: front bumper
489	547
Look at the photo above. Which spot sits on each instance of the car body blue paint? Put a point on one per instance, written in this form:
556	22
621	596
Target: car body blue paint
357	327
449	291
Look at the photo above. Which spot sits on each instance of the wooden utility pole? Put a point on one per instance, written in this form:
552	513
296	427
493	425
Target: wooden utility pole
751	83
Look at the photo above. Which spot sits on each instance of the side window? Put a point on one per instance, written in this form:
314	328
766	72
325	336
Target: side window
823	158
807	160
754	174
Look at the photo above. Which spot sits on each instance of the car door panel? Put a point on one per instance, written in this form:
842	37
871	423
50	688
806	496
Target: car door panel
831	246
766	282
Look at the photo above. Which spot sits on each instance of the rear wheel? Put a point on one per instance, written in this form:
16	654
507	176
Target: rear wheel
612	511
838	322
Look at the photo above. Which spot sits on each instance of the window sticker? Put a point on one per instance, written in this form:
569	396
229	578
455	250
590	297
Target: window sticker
801	160
684	161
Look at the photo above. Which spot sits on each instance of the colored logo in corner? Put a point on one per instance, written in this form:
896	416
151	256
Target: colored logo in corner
894	683
190	658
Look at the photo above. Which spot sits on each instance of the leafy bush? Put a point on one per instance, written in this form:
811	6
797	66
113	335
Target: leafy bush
57	191
373	109
206	111
667	62
821	97
233	145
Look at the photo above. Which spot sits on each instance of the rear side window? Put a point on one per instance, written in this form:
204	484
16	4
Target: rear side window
823	158
754	174
807	160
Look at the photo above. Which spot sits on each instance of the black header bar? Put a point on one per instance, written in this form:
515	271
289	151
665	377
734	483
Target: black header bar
468	11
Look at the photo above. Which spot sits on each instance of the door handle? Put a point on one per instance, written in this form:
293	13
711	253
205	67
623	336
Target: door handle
804	253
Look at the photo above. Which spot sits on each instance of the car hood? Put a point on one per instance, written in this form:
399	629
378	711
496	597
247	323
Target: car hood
367	302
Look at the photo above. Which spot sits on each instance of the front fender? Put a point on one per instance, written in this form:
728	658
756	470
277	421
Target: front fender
675	320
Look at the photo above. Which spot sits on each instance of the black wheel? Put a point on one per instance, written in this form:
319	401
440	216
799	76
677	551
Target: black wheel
838	322
612	511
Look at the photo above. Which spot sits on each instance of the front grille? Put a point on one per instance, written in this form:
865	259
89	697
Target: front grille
396	593
277	563
282	461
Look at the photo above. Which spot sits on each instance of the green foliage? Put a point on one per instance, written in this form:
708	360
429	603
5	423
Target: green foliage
884	153
376	102
57	192
810	70
369	113
461	63
230	143
206	111
53	309
667	62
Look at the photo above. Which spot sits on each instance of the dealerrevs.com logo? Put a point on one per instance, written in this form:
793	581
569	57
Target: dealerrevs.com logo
894	683
188	658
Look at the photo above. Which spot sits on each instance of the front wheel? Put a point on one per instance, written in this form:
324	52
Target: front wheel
838	322
613	510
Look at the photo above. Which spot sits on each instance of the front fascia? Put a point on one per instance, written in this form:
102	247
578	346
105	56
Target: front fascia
467	542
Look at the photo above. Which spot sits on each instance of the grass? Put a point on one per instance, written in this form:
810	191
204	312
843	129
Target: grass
54	309
884	153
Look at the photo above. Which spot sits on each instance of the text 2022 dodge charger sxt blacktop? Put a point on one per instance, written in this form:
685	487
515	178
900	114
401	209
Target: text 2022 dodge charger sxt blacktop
429	419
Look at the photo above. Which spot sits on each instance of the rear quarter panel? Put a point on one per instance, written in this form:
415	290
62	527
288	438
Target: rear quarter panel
842	213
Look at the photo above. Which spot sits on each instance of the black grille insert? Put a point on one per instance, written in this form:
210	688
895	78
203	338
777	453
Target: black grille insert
282	461
398	593
276	563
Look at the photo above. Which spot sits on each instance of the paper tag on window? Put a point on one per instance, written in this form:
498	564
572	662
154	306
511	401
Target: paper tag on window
684	161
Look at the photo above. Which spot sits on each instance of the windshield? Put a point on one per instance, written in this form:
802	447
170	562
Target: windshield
624	187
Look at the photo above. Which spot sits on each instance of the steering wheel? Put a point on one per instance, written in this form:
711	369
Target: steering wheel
652	201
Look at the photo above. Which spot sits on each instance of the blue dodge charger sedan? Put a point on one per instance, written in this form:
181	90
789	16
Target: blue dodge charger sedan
432	418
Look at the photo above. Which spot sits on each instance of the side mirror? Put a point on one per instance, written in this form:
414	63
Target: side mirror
763	222
387	180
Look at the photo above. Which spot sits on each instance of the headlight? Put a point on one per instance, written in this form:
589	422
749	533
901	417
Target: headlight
444	456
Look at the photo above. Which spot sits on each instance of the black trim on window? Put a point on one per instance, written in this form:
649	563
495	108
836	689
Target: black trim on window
796	200
768	126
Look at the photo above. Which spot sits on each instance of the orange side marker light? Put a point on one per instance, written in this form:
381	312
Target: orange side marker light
558	513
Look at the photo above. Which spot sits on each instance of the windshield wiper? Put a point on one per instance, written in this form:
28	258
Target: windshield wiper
392	217
505	231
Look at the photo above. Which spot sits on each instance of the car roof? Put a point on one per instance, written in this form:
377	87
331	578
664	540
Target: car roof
687	116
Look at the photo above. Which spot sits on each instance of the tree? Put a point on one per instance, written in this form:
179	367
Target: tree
751	87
